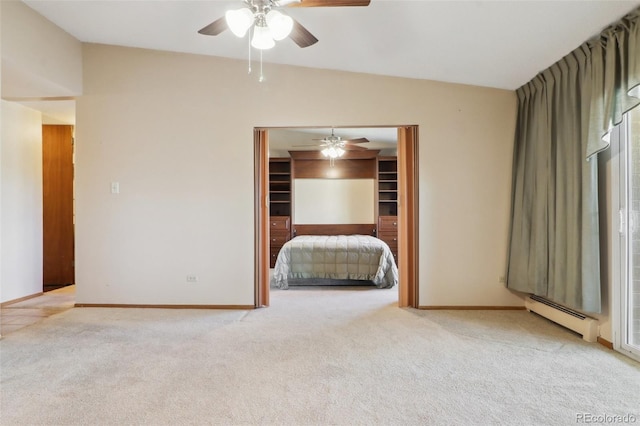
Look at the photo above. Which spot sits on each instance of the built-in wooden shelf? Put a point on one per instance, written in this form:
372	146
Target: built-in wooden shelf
387	186
280	187
280	202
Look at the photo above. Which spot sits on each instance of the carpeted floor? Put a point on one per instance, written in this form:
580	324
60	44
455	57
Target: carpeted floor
322	356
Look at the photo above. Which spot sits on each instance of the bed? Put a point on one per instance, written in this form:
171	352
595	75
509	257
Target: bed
324	254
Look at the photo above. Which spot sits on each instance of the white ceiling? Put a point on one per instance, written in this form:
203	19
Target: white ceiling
302	139
500	44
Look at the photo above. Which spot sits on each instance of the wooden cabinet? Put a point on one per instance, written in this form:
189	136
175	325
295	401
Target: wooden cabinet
279	233
388	232
280	198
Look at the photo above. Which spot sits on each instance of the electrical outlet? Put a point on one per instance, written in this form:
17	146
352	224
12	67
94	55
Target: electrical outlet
192	278
502	279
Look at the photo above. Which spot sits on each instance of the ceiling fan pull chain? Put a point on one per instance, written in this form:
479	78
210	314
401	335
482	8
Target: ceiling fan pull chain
249	40
261	79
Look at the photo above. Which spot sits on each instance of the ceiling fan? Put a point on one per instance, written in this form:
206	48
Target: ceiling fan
269	24
334	146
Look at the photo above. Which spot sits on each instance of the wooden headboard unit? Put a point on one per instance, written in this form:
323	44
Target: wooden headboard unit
346	229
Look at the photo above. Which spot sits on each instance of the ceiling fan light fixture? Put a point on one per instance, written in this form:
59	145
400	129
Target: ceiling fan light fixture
333	152
239	21
279	24
262	37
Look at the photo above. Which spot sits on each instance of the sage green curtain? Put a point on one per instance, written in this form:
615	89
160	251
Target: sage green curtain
564	117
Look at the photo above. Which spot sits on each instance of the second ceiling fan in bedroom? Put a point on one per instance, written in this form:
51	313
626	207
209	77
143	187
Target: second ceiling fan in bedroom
269	24
333	147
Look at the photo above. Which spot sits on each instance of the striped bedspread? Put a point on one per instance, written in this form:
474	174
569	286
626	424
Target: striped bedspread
352	257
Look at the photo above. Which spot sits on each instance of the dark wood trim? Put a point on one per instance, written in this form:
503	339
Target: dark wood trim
20	299
349	155
472	308
125	305
408	198
341	169
338	229
261	224
604	342
376	192
293	194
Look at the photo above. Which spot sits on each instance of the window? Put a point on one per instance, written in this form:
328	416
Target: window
626	286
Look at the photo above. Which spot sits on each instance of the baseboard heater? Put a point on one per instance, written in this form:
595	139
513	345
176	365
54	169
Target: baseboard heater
575	321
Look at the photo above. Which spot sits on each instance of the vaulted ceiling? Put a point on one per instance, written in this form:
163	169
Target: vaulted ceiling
501	44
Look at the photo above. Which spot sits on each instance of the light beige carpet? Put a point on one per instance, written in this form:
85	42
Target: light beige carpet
316	356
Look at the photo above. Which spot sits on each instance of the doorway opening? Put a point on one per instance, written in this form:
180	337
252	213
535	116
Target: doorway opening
406	207
58	206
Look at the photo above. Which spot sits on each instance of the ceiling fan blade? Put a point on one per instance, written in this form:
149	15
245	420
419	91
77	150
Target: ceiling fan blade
282	3
315	145
329	3
215	28
301	36
354	148
359	140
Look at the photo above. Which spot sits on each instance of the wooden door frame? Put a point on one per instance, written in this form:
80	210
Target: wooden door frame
407	213
261	201
408	216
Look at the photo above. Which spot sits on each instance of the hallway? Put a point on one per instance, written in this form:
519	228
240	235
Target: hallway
22	314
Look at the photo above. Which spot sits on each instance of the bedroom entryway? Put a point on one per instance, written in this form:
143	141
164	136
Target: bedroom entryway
375	181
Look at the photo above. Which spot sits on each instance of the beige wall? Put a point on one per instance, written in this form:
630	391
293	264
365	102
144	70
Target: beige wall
21	201
175	130
38	58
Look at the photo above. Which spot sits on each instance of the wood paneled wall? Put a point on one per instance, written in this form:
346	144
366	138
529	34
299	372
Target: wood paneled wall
353	165
343	229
